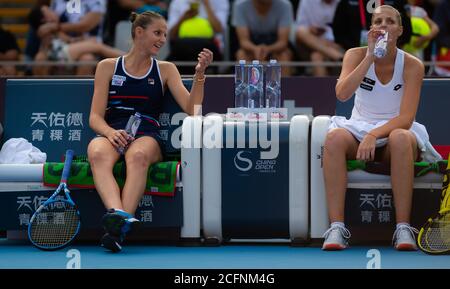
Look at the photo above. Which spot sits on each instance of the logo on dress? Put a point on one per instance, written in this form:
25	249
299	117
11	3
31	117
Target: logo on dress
151	81
366	87
118	80
367	84
397	87
369	81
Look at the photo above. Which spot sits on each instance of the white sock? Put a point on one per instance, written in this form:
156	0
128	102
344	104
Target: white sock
340	224
402	224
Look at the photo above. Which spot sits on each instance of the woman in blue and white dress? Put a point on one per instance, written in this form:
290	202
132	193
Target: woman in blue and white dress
132	83
382	126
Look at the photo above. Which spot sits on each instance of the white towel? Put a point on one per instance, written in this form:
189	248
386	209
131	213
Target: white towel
20	151
360	128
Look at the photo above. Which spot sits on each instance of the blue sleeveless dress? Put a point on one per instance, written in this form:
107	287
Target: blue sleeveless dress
129	94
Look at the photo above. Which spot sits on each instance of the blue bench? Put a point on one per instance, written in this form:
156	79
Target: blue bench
53	114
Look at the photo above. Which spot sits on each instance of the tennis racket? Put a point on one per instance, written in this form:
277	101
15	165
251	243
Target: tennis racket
434	237
56	222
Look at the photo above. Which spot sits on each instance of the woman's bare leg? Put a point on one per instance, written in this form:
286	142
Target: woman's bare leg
102	157
142	152
77	49
401	151
340	145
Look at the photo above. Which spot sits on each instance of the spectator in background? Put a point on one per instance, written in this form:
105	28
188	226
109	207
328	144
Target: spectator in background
442	18
140	6
315	34
195	24
120	10
35	19
263	27
9	51
423	30
350	25
63	28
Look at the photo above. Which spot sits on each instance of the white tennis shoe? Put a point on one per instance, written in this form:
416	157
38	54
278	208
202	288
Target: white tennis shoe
336	238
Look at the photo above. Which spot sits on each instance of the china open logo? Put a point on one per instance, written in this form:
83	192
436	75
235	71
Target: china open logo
242	160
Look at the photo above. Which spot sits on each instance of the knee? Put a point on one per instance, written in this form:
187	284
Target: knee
285	55
87	57
302	32
241	54
40	56
138	158
335	140
98	156
316	56
400	139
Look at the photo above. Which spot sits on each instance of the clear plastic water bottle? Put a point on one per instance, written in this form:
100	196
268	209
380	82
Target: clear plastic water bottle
381	45
255	85
273	84
240	84
131	128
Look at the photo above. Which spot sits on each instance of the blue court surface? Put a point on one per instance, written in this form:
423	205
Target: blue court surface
21	255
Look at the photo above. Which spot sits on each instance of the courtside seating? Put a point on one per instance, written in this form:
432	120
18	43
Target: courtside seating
369	199
21	189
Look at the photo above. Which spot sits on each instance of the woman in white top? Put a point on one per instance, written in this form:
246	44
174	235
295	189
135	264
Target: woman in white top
381	127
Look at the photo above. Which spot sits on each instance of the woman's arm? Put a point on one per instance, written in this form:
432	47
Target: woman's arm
86	23
413	74
282	40
187	100
355	65
188	14
212	18
433	33
243	35
103	76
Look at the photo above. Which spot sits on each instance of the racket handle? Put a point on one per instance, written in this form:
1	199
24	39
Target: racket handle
67	164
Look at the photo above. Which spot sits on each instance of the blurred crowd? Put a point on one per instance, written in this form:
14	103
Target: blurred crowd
317	31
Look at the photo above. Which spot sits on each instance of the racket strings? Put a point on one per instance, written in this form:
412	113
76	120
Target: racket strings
54	227
437	235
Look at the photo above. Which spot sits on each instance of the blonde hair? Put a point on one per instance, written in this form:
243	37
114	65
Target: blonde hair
143	20
397	14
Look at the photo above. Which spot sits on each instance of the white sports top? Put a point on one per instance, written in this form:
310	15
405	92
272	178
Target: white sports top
375	101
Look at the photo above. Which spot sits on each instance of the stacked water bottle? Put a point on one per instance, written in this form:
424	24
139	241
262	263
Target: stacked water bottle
257	89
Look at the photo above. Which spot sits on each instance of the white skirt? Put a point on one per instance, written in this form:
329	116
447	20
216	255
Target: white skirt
359	128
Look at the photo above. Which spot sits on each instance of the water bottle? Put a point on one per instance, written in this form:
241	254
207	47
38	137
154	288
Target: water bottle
240	84
131	128
273	84
255	85
381	45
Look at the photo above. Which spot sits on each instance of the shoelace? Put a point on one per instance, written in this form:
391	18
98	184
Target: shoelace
412	230
343	230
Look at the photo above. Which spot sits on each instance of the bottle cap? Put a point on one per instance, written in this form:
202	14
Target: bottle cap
242	61
273	61
255	62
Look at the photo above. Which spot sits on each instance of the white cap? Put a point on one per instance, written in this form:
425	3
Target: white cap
255	62
242	61
273	61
